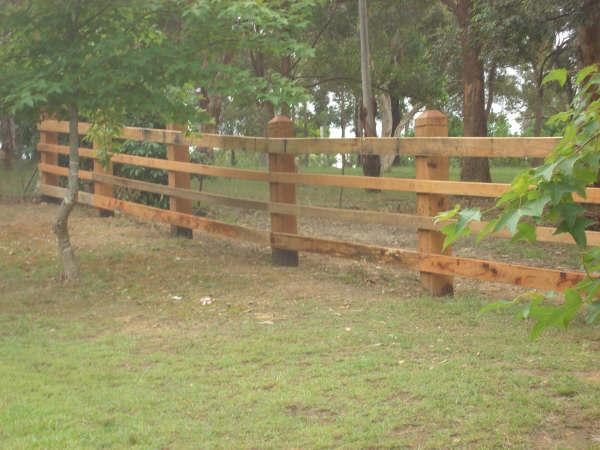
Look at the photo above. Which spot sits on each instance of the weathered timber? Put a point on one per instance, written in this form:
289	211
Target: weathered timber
525	276
178	166
48	158
166	216
62	171
282	126
398	220
427	124
190	194
427	146
471	189
99	187
394	256
180	153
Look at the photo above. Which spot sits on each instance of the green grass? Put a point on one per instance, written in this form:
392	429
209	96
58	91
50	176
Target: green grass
13	182
330	354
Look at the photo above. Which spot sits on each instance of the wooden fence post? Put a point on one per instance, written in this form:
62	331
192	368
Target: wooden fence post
432	124
179	180
282	127
103	189
47	137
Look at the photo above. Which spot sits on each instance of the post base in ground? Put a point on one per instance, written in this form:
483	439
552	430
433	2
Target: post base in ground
437	285
51	200
106	213
181	232
285	258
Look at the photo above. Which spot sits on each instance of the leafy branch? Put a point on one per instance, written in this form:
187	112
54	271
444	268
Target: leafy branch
547	194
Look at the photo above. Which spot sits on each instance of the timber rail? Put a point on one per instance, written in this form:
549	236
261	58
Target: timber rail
431	148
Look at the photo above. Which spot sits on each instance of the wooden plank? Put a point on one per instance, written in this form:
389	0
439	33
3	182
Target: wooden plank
543	234
393	256
282	126
493	147
48	158
460	188
470	189
520	275
206	197
163	215
244	143
398	220
499	272
63	171
84	198
432	123
99	187
163	164
200	169
519	147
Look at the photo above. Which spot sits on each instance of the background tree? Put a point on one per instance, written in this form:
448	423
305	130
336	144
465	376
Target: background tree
371	163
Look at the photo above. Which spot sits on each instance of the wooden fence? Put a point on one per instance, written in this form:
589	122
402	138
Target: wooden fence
431	148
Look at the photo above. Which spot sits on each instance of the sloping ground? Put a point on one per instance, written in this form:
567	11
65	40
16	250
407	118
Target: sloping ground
331	354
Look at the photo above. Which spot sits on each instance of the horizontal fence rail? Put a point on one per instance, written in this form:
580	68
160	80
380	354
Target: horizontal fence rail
428	150
493	147
458	188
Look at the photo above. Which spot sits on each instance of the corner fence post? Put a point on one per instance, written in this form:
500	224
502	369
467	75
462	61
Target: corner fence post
106	190
282	127
432	124
179	180
50	179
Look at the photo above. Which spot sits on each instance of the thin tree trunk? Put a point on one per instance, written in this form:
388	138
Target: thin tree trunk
538	118
343	126
61	227
8	139
491	84
588	37
371	163
387	128
474	114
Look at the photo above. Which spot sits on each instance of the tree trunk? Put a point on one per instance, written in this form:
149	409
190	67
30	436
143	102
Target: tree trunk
472	169
61	228
588	37
387	128
538	123
8	139
371	163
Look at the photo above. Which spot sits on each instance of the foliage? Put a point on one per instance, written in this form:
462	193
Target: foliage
150	150
101	56
546	193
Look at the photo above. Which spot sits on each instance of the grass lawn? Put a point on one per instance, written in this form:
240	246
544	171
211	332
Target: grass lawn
331	354
18	182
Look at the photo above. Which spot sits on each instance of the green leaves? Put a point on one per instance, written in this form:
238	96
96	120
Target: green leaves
559	75
554	316
585	73
460	228
593	312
